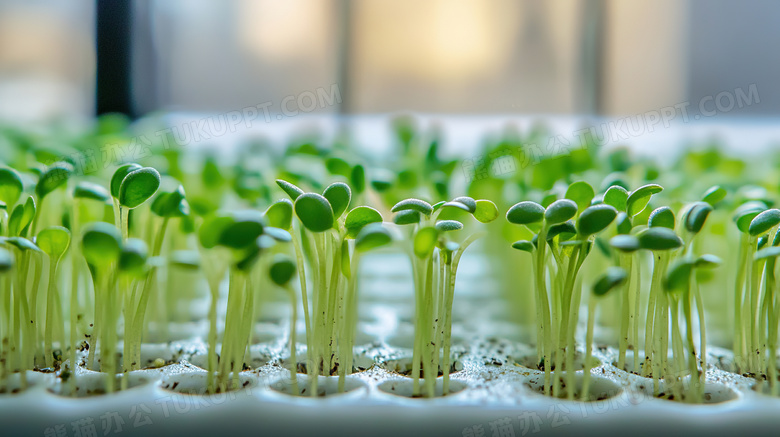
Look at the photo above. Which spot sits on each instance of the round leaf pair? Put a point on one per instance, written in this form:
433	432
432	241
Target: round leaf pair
53	241
10	186
418	205
639	198
101	244
595	219
314	211
339	196
372	236
361	216
611	279
52	178
138	187
525	213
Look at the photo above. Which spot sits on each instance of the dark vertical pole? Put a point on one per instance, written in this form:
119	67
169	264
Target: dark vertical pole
591	61
344	22
113	46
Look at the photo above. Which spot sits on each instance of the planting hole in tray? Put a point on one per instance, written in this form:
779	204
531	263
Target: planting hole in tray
404	387
94	383
600	388
195	383
629	366
531	361
403	366
153	356
14	383
360	363
327	386
405	340
258	357
765	388
713	393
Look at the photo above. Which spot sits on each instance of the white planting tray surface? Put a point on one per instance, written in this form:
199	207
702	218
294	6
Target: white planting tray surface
494	378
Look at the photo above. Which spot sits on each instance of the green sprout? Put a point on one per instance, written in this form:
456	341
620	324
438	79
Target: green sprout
435	260
101	245
613	278
53	241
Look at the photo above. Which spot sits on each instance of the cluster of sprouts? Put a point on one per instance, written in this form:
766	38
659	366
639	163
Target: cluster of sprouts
92	266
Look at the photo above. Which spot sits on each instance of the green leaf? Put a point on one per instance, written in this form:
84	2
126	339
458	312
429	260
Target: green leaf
88	190
132	257
524	245
418	205
623	222
6	261
203	205
211	230
22	244
611	279
101	244
21	217
170	205
659	239
119	176
138	187
595	219
338	195
10	186
617	197
52	178
282	270
242	232
746	212
360	217
372	236
358	178
769	252
448	225
625	243
708	261
452	204
566	230
280	214
53	241
662	216
678	278
764	221
638	199
314	211
338	166
277	234
560	211
486	211
696	216
469	202
407	217
291	190
425	241
714	195
525	213
581	193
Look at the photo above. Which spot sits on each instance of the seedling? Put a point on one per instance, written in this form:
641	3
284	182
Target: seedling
569	243
281	272
102	245
54	241
435	260
613	278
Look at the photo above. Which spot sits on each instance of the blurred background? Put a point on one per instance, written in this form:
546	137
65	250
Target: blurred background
600	57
